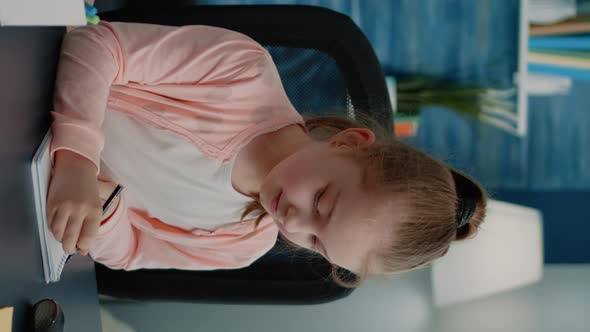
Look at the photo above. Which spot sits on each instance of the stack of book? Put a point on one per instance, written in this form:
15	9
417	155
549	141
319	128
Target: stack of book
562	48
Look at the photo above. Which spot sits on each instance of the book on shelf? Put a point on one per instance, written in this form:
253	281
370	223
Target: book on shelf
576	25
565	42
573	59
563	53
546	84
575	73
567	55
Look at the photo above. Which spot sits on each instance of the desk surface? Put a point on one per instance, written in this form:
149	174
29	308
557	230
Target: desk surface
28	63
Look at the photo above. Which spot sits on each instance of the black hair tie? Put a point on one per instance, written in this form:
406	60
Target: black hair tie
465	211
468	194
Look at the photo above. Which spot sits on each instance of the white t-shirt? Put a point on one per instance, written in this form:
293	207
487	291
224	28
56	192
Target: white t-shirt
167	176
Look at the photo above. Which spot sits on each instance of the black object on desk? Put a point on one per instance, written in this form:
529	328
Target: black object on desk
28	64
48	316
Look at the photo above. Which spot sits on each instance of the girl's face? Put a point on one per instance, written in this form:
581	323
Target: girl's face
317	198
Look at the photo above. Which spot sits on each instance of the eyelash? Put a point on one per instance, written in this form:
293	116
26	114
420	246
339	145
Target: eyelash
318	195
314	241
317	200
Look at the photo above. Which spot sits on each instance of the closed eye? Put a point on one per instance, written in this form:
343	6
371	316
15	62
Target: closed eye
314	243
316	247
316	201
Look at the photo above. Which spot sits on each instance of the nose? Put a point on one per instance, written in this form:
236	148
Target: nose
296	222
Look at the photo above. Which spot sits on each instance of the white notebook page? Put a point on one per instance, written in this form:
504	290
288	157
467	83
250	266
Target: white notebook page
52	251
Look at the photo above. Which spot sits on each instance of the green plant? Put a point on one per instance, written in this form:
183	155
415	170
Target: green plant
478	102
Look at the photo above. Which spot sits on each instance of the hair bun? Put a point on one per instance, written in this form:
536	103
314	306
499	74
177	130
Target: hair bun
470	205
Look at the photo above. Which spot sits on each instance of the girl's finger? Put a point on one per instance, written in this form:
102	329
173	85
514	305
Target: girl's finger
88	233
58	225
72	233
50	214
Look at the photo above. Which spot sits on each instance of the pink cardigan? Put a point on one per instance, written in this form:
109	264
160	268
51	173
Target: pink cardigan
216	88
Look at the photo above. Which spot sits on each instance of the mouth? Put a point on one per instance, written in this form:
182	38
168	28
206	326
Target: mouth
274	204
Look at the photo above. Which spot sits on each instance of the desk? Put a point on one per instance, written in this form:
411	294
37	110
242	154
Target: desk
28	63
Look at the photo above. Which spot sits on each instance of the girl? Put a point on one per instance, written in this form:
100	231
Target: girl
216	162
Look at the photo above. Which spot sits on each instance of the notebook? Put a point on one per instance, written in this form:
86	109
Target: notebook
54	257
42	12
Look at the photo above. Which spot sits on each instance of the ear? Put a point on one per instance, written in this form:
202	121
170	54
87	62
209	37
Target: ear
353	138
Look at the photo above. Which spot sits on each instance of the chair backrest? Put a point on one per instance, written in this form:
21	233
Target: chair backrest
327	67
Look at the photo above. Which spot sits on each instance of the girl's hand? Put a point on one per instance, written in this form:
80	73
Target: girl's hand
73	204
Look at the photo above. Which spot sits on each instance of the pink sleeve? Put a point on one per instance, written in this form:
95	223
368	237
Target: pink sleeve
95	57
128	244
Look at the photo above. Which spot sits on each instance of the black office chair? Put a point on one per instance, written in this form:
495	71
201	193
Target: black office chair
327	67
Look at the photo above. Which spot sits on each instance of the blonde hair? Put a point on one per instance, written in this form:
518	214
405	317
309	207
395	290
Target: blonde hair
428	187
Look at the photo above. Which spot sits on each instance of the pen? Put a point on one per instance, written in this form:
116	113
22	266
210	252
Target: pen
107	204
111	198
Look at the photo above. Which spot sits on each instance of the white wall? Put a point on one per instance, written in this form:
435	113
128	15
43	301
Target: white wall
402	304
559	302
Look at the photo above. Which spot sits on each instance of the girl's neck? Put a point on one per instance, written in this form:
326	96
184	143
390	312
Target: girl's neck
257	158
